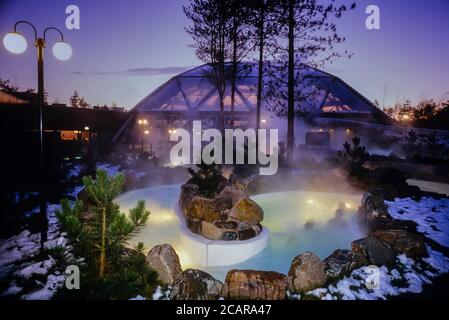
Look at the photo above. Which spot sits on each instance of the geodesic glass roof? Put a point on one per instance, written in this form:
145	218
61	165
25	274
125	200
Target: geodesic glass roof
196	90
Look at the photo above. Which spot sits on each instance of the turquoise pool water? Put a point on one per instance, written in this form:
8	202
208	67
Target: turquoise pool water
298	221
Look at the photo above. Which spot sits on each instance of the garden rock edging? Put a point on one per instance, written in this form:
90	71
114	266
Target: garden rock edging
387	238
230	215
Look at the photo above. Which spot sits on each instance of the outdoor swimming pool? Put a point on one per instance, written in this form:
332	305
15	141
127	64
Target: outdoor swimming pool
298	221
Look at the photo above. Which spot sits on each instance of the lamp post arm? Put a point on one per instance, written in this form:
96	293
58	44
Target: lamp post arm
28	23
57	30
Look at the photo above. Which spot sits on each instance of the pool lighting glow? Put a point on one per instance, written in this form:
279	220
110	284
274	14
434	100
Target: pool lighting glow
162	217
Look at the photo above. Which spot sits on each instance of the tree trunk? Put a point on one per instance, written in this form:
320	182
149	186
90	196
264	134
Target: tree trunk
291	82
234	73
221	75
260	71
102	262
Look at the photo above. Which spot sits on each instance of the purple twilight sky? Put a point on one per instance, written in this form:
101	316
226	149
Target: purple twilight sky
126	49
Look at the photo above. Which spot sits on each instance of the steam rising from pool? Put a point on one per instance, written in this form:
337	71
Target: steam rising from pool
298	221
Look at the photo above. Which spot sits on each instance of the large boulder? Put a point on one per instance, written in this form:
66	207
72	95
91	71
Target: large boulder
195	284
222	203
234	193
373	214
373	211
255	285
202	209
341	263
402	241
210	231
165	261
306	273
374	251
246	234
247	210
194	225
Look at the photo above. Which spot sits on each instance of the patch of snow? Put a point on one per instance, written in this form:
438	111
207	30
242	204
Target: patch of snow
74	193
437	260
12	290
52	285
413	277
109	168
161	293
40	267
138	297
23	247
430	214
75	171
18	247
318	293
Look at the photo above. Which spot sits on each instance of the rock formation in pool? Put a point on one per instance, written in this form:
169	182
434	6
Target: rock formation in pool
218	208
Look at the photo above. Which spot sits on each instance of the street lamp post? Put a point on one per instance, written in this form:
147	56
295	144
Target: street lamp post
16	43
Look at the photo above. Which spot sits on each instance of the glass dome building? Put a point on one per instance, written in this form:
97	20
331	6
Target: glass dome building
193	95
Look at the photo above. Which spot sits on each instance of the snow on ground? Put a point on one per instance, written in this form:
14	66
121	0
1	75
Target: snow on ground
54	282
109	168
19	254
409	276
74	193
75	171
372	283
431	215
18	247
162	293
40	267
17	262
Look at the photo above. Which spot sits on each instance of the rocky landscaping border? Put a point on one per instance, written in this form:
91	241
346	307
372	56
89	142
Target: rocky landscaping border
389	242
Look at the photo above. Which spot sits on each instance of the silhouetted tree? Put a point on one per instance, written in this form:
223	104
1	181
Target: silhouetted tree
433	143
6	86
355	155
425	110
239	34
83	103
307	37
263	22
210	34
75	99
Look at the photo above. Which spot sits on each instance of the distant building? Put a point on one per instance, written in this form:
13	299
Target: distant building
68	135
335	107
18	97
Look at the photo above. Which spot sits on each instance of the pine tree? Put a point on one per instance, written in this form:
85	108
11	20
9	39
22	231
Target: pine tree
103	237
75	99
82	103
208	178
307	36
210	25
355	155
